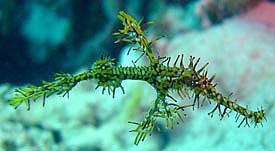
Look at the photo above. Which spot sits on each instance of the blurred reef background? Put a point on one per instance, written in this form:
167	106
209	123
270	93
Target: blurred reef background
41	37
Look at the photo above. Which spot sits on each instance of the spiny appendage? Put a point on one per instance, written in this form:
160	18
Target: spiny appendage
167	79
207	90
61	86
202	87
255	117
103	73
134	34
188	79
170	112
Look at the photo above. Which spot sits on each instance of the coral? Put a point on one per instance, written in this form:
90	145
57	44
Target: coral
262	12
214	11
186	81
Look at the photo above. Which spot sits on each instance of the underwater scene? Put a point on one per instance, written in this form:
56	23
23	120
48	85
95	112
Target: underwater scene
137	75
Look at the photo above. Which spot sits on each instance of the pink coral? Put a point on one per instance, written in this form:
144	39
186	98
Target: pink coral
264	12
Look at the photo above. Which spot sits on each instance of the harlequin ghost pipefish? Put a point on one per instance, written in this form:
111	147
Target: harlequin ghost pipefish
165	77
